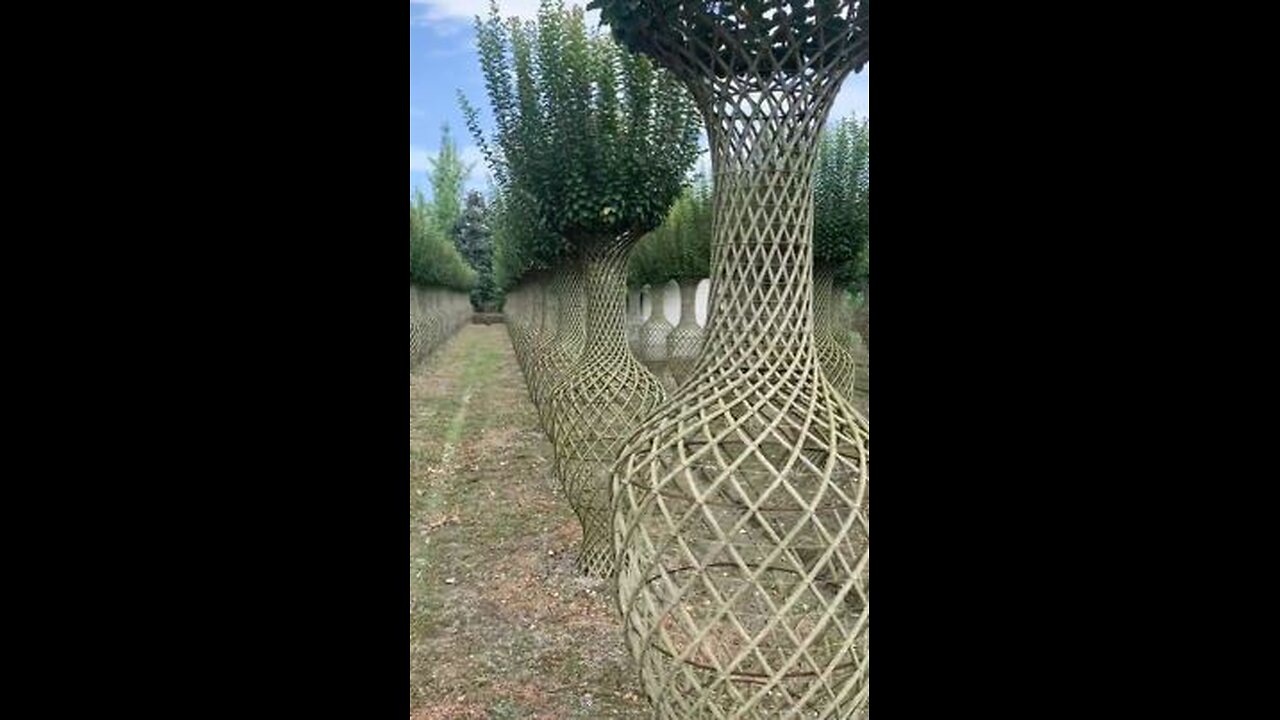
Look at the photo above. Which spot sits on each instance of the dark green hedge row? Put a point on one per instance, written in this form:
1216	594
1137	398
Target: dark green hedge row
433	259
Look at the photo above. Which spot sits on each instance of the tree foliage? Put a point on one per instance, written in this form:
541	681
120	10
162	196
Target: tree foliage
433	259
520	244
589	142
679	248
448	175
842	179
472	237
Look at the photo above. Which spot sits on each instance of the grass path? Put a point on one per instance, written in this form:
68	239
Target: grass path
500	625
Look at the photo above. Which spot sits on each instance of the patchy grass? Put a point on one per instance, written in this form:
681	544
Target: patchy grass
500	624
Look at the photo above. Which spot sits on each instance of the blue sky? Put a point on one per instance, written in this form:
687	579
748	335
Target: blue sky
443	60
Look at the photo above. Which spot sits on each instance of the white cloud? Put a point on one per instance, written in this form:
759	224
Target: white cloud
419	160
433	13
468	9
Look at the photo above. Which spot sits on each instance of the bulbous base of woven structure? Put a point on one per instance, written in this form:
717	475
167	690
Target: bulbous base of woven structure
598	405
744	564
654	335
684	344
838	363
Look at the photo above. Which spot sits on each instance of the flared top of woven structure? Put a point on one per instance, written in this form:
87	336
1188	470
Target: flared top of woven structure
760	39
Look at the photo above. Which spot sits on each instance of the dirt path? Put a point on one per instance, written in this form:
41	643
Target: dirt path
500	625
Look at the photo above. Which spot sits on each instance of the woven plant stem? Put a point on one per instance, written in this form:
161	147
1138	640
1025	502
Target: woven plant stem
549	364
741	507
837	361
599	403
684	344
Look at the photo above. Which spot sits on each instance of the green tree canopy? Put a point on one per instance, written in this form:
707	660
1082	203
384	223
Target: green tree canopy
448	175
679	248
472	237
433	259
841	226
590	142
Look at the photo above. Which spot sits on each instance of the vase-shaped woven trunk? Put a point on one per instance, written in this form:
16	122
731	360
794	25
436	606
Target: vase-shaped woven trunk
635	318
515	316
553	360
742	508
838	362
449	309
598	404
684	344
654	334
433	320
460	308
417	328
523	318
544	327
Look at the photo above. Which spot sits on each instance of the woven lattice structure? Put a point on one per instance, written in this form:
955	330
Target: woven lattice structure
417	329
862	380
548	364
654	334
525	312
545	312
635	318
837	359
432	320
656	330
434	315
516	318
599	404
742	513
684	343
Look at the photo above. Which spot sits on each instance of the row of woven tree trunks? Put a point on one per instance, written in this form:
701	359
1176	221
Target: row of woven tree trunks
670	349
732	514
435	314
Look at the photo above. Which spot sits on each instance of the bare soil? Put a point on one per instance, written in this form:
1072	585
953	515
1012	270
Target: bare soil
500	624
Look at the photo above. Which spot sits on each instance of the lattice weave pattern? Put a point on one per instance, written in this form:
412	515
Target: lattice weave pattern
548	364
742	512
434	315
838	363
654	334
634	320
598	404
684	344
